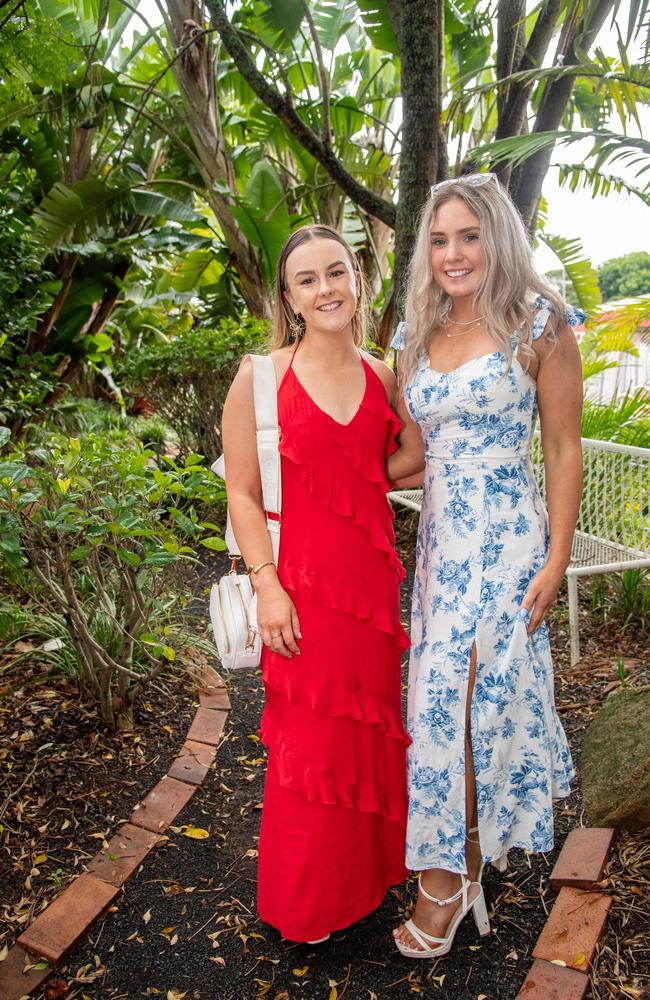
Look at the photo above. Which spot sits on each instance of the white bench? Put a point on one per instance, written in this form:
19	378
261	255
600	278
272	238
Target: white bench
613	530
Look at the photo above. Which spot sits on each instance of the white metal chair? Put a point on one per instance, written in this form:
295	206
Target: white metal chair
613	530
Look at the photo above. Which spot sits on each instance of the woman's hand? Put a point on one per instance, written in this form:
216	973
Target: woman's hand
277	619
542	591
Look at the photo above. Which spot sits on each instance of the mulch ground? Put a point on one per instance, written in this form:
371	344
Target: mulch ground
185	924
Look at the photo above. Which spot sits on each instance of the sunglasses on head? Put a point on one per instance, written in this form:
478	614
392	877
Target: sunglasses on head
472	180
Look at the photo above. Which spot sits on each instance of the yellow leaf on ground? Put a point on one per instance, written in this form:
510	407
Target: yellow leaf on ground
334	993
146	916
301	972
195	832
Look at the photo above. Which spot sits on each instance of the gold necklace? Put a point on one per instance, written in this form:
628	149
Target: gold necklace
468	326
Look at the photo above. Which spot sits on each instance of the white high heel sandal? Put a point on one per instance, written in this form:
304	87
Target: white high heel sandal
501	864
434	947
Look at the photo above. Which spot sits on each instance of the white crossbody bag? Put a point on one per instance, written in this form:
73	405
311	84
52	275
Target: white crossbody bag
233	602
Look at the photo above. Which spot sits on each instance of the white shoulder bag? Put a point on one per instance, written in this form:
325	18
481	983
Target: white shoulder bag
233	603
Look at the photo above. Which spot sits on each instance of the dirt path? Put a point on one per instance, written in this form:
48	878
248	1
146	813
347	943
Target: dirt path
186	925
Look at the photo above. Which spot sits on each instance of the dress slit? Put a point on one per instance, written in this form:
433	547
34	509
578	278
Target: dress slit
483	535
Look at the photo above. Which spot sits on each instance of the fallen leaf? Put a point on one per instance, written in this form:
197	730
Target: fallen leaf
218	960
301	972
512	956
146	916
176	995
194	832
57	989
580	959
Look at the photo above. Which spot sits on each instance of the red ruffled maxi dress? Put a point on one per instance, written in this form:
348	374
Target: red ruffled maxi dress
335	803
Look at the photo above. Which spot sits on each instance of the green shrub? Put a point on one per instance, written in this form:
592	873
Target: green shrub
188	377
97	530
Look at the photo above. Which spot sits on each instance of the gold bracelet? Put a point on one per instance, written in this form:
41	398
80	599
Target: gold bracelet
255	569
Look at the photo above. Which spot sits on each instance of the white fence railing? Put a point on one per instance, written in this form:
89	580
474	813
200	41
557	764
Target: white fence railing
613	530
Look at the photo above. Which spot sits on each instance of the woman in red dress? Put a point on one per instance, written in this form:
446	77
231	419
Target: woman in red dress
334	817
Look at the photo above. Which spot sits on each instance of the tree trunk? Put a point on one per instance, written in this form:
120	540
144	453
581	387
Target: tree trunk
511	40
195	74
527	179
419	27
63	273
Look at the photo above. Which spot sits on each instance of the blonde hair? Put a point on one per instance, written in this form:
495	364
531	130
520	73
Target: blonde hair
284	316
506	286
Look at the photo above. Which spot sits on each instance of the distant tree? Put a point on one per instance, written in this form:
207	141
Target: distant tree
625	277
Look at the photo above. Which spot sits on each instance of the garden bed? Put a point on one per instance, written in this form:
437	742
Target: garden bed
186	922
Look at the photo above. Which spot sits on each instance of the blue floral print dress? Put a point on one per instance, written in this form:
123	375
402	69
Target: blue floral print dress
483	535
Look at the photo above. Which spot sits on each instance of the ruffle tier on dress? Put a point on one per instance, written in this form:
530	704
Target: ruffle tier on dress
334	816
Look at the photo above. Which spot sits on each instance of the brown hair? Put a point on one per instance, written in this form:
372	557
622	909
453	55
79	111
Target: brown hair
283	314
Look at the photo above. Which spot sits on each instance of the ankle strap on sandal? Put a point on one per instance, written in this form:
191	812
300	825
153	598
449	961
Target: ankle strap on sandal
462	893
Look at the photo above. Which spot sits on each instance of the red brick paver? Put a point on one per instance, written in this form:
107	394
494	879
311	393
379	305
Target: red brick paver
14	981
583	858
574	927
126	850
60	926
215	698
162	804
208	726
193	763
205	677
546	981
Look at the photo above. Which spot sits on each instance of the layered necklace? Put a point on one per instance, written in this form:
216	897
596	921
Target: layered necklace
467	327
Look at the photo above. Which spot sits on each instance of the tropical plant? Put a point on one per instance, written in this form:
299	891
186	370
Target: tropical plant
623	421
95	530
187	378
460	86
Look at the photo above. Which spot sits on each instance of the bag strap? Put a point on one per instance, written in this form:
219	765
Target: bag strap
265	400
265	397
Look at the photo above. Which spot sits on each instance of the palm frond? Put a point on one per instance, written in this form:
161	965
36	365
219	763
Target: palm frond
578	176
608	146
582	275
619	321
623	421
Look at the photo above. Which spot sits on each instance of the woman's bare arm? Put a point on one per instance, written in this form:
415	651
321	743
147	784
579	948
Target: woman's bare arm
408	460
559	391
276	614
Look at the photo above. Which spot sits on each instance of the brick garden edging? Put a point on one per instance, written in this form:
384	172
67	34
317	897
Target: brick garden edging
566	947
58	928
561	958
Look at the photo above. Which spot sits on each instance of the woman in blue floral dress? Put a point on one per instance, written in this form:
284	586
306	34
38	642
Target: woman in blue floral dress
486	346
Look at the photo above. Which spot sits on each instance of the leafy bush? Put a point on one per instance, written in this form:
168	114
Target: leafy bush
625	277
188	378
97	530
624	421
26	292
